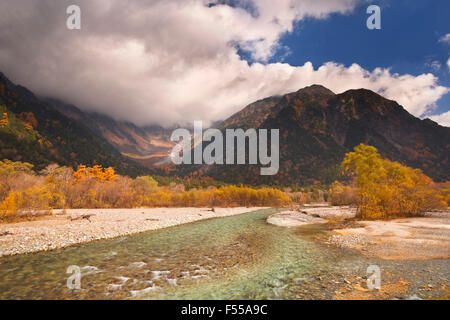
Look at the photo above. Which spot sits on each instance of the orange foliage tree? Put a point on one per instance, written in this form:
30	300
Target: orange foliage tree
4	121
95	172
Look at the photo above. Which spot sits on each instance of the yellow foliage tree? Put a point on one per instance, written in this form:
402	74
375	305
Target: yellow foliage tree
389	189
13	174
341	195
23	191
32	199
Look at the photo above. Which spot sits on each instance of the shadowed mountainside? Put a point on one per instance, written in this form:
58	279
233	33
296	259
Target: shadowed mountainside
38	133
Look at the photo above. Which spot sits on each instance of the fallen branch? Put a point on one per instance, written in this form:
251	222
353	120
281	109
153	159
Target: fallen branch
83	217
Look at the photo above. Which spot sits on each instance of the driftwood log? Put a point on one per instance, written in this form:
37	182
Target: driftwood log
83	217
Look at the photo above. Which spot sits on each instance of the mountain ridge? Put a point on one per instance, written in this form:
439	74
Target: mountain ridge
317	127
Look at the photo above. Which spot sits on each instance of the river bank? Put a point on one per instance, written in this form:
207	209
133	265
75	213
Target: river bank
417	238
70	227
425	237
236	257
311	215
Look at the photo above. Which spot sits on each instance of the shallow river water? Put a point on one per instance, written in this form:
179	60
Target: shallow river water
240	257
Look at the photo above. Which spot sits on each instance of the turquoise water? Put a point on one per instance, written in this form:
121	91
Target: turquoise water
240	257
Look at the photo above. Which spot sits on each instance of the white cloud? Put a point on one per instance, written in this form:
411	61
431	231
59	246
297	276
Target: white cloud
445	39
172	61
443	119
434	65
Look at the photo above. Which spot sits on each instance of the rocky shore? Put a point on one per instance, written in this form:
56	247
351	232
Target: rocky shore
311	215
417	238
425	237
70	227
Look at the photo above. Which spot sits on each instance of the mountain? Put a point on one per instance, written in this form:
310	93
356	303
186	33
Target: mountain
38	133
147	145
317	128
251	116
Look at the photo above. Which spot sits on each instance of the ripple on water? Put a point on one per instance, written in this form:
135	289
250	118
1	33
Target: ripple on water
139	264
136	293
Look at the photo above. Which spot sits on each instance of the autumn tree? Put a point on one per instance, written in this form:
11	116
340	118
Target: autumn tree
96	172
29	119
388	189
145	185
13	176
341	195
4	122
24	191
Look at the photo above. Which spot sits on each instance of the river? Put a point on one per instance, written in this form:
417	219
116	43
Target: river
239	257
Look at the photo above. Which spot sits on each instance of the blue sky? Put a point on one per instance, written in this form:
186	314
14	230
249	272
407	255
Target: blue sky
407	43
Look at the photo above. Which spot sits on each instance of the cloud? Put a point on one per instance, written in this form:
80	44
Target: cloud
172	61
434	65
445	39
443	119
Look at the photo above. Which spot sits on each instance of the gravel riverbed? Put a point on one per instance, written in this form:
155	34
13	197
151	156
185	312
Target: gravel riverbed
71	227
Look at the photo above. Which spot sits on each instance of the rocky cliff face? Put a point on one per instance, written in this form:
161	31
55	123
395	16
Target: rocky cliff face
147	145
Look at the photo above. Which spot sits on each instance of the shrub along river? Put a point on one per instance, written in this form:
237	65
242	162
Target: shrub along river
239	257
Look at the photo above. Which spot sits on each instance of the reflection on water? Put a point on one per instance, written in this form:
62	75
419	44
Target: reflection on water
240	257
